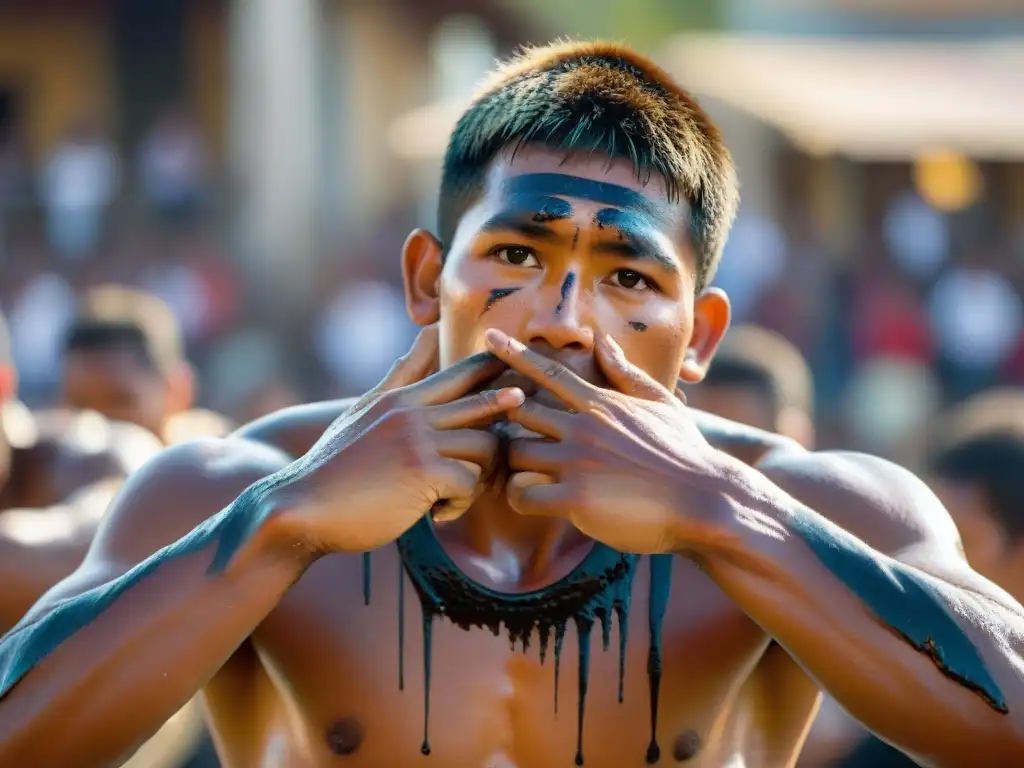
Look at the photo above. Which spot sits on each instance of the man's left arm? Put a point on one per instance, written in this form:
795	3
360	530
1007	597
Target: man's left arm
855	568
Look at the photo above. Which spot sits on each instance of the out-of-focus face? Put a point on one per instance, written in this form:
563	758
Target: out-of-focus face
557	253
117	383
984	543
736	403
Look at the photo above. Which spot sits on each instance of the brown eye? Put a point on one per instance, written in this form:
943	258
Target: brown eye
627	278
517	256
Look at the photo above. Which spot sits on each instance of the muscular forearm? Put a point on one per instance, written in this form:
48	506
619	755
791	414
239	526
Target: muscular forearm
106	668
923	664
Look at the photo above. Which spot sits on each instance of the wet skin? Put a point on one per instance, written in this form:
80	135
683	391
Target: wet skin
316	680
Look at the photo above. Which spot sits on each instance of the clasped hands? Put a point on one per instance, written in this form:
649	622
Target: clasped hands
626	466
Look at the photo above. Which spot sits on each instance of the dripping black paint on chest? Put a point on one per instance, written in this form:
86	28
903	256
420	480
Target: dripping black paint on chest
599	588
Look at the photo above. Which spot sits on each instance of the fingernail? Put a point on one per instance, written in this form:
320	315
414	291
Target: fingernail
513	396
495	337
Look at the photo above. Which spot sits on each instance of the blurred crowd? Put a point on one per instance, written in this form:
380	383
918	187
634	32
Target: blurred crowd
920	309
918	312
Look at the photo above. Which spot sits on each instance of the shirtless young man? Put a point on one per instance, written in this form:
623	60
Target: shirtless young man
229	567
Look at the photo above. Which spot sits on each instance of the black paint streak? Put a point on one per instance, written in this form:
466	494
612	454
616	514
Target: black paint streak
366	578
583	627
27	644
566	289
599	586
497	294
575	238
623	616
902	598
553	209
626	222
661	583
559	640
401	625
636	325
428	648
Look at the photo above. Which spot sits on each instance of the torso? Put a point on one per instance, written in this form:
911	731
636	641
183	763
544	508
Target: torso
333	663
324	669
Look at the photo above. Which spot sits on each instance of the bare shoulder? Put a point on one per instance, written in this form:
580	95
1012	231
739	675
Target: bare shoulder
882	503
96	447
171	494
295	430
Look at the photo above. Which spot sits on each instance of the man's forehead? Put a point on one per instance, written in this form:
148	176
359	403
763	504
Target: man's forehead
581	188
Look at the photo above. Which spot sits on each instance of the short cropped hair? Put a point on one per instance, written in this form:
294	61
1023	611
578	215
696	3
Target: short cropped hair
115	316
765	362
596	98
981	443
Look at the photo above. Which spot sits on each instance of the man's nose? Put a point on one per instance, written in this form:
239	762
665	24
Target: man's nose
560	316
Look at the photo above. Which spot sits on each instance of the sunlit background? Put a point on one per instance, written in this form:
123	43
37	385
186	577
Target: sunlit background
258	163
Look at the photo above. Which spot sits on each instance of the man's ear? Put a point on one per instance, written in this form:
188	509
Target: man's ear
421	274
711	313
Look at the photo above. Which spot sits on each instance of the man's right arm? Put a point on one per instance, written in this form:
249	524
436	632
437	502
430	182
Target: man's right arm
111	652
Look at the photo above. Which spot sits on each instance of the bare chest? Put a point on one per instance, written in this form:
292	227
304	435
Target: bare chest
383	684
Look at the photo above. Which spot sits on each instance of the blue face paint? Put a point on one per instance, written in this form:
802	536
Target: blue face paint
637	236
904	599
566	290
497	295
564	185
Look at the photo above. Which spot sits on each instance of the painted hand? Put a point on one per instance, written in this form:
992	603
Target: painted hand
404	449
627	466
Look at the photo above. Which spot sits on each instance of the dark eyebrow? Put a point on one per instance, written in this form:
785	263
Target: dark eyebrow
529	214
584	189
521	222
636	240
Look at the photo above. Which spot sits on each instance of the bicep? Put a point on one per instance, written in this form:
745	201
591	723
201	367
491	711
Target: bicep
887	508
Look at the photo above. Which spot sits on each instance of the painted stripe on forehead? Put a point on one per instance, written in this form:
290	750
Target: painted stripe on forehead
584	189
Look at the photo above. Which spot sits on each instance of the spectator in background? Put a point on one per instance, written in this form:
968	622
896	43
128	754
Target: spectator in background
123	357
976	467
173	166
361	332
976	317
79	184
38	317
759	379
14	180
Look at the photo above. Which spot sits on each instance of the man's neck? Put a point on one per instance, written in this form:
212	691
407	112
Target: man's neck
507	551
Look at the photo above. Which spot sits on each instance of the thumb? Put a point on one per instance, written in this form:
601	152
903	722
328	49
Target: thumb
459	482
623	375
416	364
